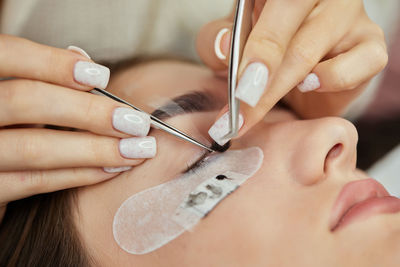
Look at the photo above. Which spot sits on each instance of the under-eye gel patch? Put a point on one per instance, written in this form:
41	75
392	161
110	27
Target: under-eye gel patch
150	219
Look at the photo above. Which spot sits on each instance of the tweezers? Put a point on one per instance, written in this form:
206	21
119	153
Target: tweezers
155	122
240	32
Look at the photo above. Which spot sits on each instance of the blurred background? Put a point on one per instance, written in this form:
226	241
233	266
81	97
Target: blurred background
379	123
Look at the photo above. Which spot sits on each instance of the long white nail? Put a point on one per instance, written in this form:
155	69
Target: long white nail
130	121
117	169
91	74
310	83
138	147
78	50
221	128
217	44
252	83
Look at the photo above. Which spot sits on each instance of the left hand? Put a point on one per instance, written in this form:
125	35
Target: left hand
330	44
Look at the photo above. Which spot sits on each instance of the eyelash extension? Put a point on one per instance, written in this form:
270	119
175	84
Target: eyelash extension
197	163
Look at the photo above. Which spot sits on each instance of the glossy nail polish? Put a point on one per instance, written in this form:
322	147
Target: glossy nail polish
78	50
117	169
221	128
138	147
310	83
130	121
252	84
217	44
91	74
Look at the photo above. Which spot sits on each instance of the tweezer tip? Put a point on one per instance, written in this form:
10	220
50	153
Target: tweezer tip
216	147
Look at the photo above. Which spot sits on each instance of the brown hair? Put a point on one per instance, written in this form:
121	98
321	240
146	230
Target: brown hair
40	231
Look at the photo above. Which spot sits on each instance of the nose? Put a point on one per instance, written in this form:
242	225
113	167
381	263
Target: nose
328	146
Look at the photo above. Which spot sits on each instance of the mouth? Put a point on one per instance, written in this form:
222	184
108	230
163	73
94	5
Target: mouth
360	200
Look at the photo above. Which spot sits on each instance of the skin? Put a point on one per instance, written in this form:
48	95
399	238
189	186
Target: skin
334	39
44	91
277	218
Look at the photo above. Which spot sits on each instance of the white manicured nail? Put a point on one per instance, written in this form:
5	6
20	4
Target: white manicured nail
91	74
252	83
138	147
310	83
221	128
78	50
217	44
117	169
130	121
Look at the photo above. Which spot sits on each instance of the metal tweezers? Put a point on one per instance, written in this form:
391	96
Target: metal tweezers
155	122
241	29
240	32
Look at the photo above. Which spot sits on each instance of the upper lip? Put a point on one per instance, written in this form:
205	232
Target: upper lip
353	193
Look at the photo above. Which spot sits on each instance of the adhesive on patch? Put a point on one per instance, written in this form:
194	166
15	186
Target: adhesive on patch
150	219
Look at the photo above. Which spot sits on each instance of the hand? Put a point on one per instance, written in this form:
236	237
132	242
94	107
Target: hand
49	88
330	44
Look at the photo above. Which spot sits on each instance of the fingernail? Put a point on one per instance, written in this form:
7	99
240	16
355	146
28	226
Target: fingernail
117	169
138	147
221	128
91	74
78	50
130	121
221	44
252	83
310	83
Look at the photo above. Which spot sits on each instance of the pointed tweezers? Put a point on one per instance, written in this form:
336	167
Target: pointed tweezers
155	122
241	29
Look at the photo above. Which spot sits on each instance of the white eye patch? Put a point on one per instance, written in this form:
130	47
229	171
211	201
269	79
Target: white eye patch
150	219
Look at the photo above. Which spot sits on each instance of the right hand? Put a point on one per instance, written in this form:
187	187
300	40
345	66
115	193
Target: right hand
49	88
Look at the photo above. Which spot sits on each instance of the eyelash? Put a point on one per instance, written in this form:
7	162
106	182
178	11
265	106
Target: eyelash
197	164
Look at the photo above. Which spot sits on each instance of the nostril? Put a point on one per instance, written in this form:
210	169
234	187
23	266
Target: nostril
333	153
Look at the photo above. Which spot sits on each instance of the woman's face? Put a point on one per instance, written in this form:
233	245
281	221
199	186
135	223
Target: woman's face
282	216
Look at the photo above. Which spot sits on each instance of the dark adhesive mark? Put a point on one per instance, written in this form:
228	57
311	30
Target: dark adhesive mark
196	199
221	177
215	190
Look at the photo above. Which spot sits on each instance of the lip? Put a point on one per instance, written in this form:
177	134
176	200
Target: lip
360	200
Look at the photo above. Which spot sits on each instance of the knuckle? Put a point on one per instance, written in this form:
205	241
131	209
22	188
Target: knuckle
35	181
380	55
340	81
301	54
101	149
268	41
379	31
28	149
94	108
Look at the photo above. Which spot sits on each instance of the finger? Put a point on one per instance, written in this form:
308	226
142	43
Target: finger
309	45
213	43
267	45
348	70
17	185
23	102
25	59
38	149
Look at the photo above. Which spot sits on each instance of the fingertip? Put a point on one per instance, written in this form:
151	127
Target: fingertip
114	170
78	50
310	83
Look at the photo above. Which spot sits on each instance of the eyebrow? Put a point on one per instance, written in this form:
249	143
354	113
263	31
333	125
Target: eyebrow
197	101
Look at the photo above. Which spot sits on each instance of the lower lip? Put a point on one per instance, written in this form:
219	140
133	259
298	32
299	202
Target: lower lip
368	208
